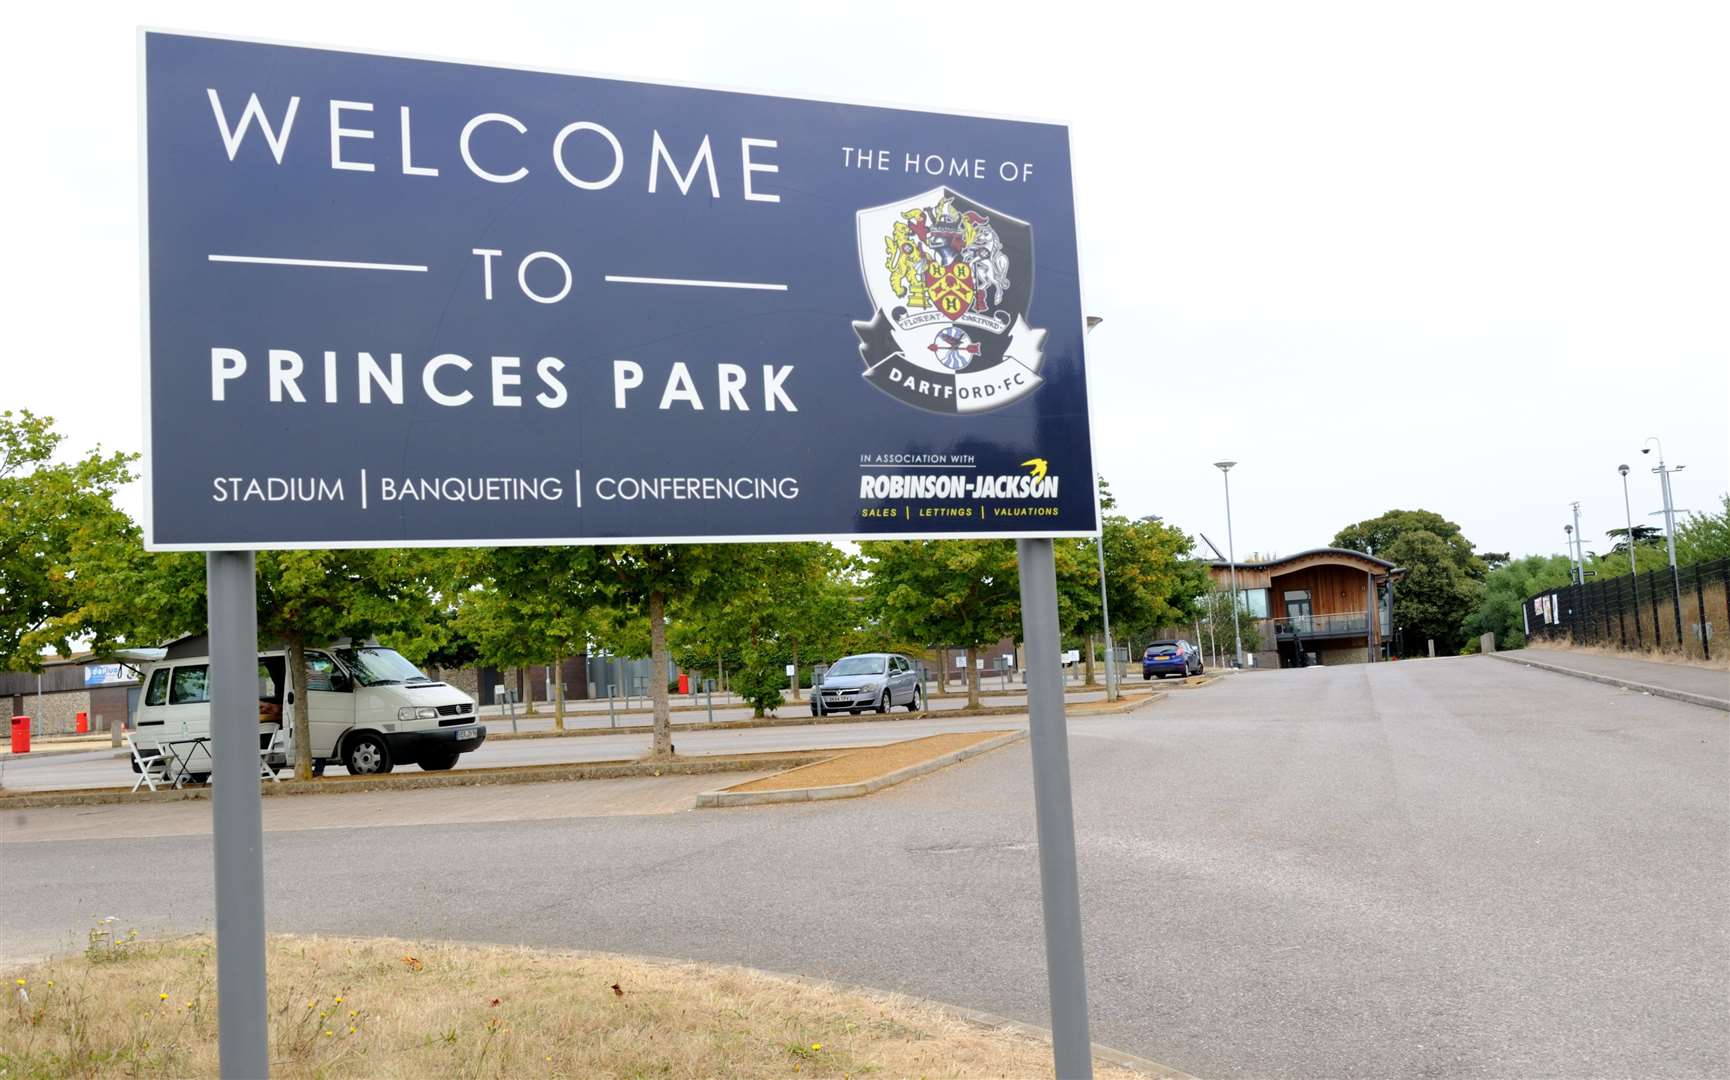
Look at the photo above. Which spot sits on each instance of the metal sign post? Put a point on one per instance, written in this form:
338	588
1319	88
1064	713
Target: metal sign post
237	814
1054	812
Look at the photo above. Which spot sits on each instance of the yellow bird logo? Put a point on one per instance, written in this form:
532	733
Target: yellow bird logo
1037	466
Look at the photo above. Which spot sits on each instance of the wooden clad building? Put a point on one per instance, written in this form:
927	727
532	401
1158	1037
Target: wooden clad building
1322	606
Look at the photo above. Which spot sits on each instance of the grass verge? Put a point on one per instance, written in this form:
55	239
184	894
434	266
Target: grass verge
394	1009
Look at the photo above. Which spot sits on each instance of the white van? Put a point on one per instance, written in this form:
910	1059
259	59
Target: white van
369	708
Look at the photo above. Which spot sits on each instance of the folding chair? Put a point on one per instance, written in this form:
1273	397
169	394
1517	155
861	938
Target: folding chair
152	765
271	745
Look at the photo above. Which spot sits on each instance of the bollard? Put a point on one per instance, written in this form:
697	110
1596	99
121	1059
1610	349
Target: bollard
20	734
82	723
711	702
612	721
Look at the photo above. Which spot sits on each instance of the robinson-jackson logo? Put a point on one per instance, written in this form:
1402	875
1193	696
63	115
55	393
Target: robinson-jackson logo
952	280
1036	483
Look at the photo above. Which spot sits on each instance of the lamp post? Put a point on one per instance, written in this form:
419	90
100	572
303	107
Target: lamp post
1579	546
1224	468
1664	472
1633	564
1104	607
1573	567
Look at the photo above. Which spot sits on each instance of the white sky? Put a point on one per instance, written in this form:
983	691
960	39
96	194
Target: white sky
1460	257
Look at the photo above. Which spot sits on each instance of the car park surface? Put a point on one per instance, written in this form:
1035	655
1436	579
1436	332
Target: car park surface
1453	867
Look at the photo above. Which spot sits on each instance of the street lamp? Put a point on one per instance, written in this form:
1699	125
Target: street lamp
1579	546
1573	567
1104	607
1224	468
1664	472
1633	564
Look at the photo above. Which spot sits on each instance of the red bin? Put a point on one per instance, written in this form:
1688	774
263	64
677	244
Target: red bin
684	683
20	734
83	723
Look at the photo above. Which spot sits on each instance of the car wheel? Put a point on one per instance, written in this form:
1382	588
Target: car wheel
1145	676
367	755
439	762
915	703
885	701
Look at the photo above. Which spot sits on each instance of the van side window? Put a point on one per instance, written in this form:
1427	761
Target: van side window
157	694
191	685
323	674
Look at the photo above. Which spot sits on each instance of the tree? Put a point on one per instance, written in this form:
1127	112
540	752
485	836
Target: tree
1643	534
640	582
1704	536
1213	611
1436	594
59	531
768	605
946	592
525	605
1378	534
1443	574
1505	592
315	597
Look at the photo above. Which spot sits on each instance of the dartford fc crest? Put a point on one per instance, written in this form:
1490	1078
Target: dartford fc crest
952	280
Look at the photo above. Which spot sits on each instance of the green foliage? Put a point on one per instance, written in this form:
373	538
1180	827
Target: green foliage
760	680
1705	536
1614	563
639	584
1436	595
962	593
58	524
1215	603
314	597
1444	577
1378	535
1505	592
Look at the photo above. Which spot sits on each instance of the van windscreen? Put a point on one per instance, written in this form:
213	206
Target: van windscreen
379	667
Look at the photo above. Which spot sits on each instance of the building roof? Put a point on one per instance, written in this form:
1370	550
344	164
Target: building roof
1341	553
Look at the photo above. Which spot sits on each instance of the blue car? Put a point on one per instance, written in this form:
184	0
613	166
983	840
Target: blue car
1164	658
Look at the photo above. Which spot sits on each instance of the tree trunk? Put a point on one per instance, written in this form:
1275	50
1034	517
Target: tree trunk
663	744
795	671
1090	681
528	685
558	693
973	676
302	710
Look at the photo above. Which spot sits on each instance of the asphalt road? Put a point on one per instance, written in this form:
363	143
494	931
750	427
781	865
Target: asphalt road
1440	868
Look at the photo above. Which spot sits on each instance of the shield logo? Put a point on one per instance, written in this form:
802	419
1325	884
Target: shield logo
951	288
951	279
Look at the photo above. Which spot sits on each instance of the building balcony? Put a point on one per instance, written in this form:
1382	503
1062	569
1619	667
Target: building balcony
1311	627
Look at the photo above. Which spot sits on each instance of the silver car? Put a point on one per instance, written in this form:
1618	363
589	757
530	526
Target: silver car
877	681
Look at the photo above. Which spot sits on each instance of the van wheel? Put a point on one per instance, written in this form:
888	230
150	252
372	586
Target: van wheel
367	755
439	762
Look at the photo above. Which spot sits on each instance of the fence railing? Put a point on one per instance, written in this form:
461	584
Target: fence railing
1333	624
1686	612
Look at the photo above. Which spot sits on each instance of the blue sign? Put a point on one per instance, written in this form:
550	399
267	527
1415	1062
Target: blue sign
397	302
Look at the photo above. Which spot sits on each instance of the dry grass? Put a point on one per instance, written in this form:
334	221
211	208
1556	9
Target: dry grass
1719	661
381	1008
867	763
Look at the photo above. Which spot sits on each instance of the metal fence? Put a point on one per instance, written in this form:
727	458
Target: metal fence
1685	611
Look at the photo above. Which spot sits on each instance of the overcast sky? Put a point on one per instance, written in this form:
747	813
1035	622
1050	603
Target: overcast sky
1458	257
